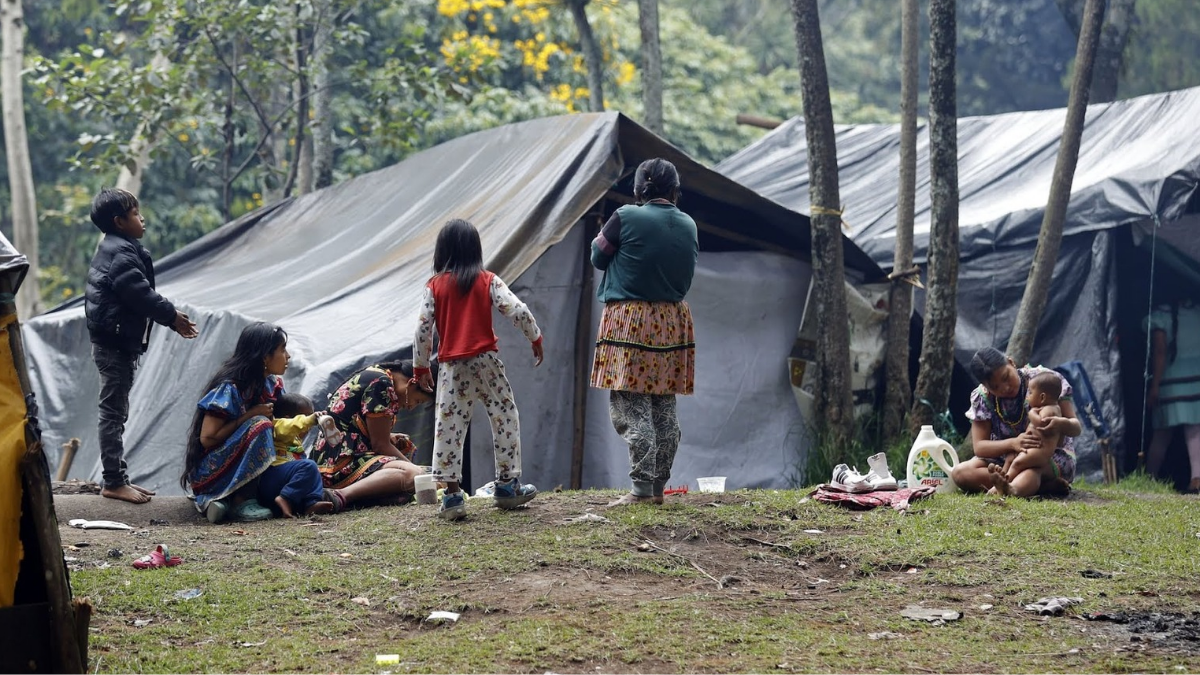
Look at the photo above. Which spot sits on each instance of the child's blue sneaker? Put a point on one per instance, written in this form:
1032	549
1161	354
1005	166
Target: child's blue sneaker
453	507
509	494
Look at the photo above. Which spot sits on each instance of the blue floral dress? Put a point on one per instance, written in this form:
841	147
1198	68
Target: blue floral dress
246	454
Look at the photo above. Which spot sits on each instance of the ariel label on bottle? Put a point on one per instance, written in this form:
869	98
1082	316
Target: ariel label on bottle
928	472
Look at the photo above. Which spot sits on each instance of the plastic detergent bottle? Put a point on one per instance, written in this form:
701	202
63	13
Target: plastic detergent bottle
930	461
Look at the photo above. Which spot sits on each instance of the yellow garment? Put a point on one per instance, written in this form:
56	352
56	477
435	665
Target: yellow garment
289	437
12	451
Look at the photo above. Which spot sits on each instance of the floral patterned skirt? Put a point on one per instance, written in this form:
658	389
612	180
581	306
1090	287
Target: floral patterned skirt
645	348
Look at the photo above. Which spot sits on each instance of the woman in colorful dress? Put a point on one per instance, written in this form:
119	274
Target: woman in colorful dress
645	350
1174	394
231	446
1000	425
371	464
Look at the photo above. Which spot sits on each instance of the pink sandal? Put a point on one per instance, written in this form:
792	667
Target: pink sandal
157	558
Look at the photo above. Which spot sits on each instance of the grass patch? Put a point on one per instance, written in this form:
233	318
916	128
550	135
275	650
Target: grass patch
538	594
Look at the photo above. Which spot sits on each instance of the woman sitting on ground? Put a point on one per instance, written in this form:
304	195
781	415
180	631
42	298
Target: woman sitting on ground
230	465
1000	426
371	465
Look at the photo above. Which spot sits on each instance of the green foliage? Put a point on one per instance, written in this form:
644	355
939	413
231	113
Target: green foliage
1163	53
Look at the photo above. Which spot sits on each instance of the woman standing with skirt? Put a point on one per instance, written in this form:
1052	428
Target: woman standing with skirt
646	350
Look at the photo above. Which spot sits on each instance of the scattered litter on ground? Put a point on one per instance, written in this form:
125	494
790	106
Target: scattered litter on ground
936	617
115	553
188	594
885	635
252	644
365	602
346	555
586	518
439	616
240	533
644	547
82	544
1052	606
1095	574
913	570
142	623
1155	626
98	524
156	521
727	581
813	532
387	659
70	547
70	559
159	557
290	552
985	607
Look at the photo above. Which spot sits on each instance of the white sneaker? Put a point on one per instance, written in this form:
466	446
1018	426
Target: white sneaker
849	480
880	476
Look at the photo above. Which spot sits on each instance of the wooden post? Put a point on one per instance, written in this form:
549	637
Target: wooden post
68	458
757	121
583	341
35	480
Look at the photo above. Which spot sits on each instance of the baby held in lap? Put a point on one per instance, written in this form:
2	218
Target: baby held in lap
1043	401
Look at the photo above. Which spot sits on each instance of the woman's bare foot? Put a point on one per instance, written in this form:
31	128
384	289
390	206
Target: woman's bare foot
125	493
141	489
319	509
285	507
999	480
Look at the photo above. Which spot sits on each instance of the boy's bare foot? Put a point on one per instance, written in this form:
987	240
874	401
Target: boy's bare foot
141	489
319	509
999	480
125	493
285	507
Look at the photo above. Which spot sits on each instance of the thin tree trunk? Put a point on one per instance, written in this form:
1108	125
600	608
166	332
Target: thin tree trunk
144	140
1114	37
301	94
1037	287
833	409
322	126
652	83
591	55
941	312
227	157
16	140
899	392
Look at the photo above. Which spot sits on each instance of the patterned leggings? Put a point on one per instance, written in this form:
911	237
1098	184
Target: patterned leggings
460	384
649	425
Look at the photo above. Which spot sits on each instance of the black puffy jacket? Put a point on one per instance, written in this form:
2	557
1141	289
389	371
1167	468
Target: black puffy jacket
120	301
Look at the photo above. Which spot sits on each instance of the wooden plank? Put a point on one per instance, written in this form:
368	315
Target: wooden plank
583	341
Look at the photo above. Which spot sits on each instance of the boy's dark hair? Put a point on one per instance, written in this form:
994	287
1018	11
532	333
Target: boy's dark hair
986	362
110	204
459	253
291	405
1047	383
655	179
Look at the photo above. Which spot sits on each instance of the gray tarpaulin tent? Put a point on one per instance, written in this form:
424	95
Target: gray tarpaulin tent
1139	163
342	271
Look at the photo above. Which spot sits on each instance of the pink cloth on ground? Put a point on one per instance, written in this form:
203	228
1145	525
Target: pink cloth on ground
864	501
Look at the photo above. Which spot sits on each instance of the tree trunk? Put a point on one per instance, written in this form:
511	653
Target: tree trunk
1110	55
144	140
322	124
227	156
833	408
591	55
941	312
16	140
652	83
900	299
1037	287
300	92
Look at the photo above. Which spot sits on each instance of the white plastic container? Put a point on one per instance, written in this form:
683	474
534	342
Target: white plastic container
711	483
426	489
930	462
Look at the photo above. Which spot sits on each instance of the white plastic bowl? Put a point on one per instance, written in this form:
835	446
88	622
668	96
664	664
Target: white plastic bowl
712	483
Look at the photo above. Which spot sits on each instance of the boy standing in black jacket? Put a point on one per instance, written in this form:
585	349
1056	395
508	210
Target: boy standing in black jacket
121	307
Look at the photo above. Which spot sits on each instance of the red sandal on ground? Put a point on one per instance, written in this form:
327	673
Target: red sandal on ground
159	557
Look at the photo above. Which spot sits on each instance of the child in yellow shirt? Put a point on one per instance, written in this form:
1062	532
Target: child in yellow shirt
294	418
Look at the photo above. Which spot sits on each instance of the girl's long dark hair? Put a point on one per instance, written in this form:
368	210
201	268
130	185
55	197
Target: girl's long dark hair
986	362
655	179
459	253
245	369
